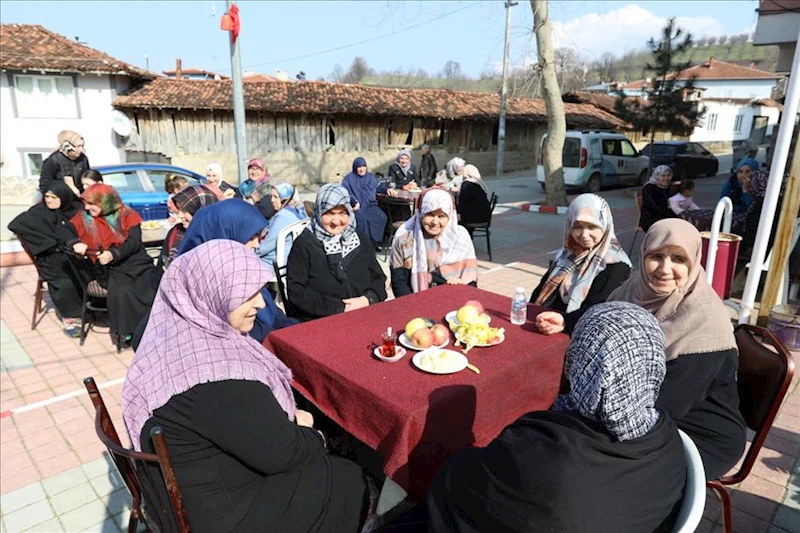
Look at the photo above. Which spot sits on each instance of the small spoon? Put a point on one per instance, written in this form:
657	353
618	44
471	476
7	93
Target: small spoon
473	368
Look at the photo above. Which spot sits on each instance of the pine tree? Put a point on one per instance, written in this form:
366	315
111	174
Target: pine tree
667	107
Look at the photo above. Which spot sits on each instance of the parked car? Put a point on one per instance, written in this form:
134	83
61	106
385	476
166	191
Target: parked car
686	159
141	185
597	159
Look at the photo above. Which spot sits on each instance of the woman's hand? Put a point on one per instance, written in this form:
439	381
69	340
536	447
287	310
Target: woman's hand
105	257
357	206
351	304
304	419
230	193
455	281
80	248
549	322
69	181
392	192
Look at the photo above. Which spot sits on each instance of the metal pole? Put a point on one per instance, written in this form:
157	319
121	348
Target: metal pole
779	158
501	127
238	106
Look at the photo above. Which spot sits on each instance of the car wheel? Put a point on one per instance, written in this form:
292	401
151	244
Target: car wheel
593	185
642	177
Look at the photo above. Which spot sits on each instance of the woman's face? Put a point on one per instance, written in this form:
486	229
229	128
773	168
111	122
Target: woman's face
87	182
335	220
276	199
586	234
361	171
744	175
76	153
433	223
665	179
255	241
667	268
254	172
93	209
52	201
403	160
185	218
243	317
212	177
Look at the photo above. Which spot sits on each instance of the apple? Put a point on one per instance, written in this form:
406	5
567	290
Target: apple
440	334
468	315
423	338
476	304
413	325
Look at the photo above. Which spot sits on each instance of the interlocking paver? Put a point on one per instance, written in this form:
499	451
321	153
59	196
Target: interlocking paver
29	516
64	481
98	467
51	526
788	519
72	499
108	526
105	485
85	516
22	498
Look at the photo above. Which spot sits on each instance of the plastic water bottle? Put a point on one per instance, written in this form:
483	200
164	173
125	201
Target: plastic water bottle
519	307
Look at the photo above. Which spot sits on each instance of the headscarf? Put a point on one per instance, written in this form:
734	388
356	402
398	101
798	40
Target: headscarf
112	226
473	175
67	141
399	155
615	365
328	197
70	204
451	251
290	198
232	219
260	192
362	189
658	176
757	185
191	199
693	317
575	269
455	167
441	178
261	165
216	168
38	227
189	341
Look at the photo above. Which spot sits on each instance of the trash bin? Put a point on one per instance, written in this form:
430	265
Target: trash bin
784	322
725	265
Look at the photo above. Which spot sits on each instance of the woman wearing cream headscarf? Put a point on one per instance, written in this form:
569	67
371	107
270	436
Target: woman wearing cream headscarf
655	197
473	199
700	390
214	177
67	163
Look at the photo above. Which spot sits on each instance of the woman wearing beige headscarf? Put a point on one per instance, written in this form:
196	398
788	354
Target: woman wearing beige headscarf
473	199
700	390
67	163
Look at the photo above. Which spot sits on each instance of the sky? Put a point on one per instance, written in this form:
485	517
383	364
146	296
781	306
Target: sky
391	34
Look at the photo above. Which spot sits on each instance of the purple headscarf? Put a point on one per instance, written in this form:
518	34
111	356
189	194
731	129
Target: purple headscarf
189	341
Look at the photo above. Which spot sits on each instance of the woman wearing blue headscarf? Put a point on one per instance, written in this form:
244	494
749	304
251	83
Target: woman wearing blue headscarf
288	210
733	187
363	188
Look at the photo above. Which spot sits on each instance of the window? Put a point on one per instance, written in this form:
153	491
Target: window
157	178
711	125
124	181
627	149
737	123
45	97
571	153
32	163
611	147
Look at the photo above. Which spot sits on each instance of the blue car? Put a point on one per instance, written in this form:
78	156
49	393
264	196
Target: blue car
141	185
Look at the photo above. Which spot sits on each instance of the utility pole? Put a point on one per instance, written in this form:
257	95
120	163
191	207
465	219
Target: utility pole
238	103
501	127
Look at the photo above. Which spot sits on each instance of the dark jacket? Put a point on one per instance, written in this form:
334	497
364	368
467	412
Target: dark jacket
655	205
427	170
603	285
317	285
399	179
473	204
57	165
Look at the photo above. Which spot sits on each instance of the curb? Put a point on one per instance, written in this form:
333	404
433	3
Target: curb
536	208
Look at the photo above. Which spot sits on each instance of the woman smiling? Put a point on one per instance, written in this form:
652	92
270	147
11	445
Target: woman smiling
700	390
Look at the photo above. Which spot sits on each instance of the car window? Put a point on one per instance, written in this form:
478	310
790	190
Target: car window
612	147
663	149
124	181
571	154
157	178
698	148
627	149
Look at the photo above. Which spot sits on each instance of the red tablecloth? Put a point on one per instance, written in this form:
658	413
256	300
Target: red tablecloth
414	419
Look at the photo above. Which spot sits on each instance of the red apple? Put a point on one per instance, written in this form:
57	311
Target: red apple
476	304
423	338
440	334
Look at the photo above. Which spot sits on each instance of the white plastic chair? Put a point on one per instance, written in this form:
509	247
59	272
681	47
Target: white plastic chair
294	229
694	494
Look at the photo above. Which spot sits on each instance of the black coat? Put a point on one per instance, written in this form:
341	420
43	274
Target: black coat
562	473
57	165
399	179
313	287
242	465
427	170
655	205
602	286
473	204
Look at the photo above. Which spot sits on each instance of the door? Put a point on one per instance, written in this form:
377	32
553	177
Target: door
759	131
613	164
629	158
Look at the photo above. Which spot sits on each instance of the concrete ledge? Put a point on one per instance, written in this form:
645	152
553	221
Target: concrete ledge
536	208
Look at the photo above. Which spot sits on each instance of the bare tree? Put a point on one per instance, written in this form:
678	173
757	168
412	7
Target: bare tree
452	70
357	71
702	42
712	41
722	39
556	121
337	74
606	67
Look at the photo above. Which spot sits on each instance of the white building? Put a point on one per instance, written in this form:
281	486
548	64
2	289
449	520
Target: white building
48	84
737	101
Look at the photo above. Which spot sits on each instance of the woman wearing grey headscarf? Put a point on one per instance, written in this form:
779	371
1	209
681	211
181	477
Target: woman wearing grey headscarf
332	267
403	173
604	459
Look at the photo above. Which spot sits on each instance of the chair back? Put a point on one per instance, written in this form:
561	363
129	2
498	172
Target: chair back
280	277
149	477
30	255
694	493
492	205
398	210
765	372
639	203
294	229
92	278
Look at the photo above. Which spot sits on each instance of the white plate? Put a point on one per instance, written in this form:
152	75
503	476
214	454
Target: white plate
458	366
502	338
405	341
399	353
454	323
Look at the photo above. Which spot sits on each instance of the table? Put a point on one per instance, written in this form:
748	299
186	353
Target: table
702	218
414	419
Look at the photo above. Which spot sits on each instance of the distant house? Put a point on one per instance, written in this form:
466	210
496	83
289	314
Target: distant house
49	84
311	131
779	24
194	74
737	101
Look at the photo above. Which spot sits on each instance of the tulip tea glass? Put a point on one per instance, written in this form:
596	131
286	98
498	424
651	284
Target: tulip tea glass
388	339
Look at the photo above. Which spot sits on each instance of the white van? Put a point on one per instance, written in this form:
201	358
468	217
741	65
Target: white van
596	159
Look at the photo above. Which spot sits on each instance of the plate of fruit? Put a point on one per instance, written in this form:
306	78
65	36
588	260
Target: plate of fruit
471	312
438	361
422	333
471	327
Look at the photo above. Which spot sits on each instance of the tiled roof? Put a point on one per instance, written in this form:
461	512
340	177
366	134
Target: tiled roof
345	99
775	7
194	72
600	100
33	47
715	70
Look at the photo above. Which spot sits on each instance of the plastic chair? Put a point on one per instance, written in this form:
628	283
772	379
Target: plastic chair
694	494
95	295
398	210
639	201
484	227
279	266
163	503
783	289
764	378
38	304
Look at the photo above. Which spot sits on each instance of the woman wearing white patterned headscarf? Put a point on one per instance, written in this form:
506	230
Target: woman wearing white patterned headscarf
332	267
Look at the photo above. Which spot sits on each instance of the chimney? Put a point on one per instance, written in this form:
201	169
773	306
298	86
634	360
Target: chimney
711	62
178	70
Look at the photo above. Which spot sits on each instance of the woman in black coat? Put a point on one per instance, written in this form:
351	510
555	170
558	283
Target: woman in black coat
655	197
44	230
403	174
473	199
332	267
67	164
